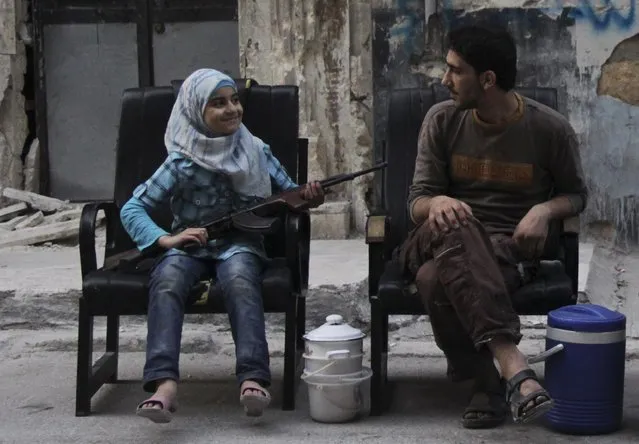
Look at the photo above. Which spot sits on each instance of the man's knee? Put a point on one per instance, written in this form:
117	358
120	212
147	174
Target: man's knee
429	286
426	278
471	232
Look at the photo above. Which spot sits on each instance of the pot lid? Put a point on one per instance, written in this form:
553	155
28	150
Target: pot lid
334	330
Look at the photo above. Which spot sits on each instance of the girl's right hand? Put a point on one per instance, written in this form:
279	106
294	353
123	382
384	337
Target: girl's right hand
190	235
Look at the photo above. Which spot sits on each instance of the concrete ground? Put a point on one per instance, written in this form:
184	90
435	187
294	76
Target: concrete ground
38	287
37	405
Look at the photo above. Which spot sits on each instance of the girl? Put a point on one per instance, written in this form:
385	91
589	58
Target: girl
214	166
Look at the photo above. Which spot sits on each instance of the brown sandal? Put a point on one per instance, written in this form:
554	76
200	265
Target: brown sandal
486	410
521	412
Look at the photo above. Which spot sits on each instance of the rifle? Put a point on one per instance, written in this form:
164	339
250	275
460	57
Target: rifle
256	219
253	219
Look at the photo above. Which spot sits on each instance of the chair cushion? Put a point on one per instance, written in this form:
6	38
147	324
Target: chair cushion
115	292
551	289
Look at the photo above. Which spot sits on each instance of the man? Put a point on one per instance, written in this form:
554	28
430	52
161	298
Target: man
494	170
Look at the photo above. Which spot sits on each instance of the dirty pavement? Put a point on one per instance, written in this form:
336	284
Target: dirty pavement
39	286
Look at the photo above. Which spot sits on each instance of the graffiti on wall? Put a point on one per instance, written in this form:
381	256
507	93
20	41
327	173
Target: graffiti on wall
409	24
602	15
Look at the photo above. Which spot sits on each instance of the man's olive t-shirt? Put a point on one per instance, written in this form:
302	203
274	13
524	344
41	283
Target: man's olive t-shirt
500	171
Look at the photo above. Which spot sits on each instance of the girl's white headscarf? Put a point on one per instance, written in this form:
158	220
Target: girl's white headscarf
240	155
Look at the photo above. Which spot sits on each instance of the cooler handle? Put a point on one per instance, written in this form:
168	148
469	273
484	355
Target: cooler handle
547	354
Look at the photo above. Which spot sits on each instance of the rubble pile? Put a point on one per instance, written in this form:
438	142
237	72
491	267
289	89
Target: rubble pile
31	218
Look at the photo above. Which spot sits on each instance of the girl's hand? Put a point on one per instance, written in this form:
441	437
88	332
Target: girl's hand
313	193
190	235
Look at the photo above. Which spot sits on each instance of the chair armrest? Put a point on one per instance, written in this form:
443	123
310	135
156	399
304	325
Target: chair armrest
298	244
88	259
377	234
570	245
571	225
569	240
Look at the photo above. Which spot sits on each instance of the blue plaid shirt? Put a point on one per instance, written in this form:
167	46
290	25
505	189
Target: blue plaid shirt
196	195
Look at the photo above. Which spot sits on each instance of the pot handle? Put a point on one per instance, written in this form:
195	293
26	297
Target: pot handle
338	354
547	354
308	375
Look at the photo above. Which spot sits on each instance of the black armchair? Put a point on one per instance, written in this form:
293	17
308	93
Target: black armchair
554	286
271	113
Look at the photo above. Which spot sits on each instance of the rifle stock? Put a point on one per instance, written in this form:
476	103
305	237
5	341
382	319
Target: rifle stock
259	218
253	223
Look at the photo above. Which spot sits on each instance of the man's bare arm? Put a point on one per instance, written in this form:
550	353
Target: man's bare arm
420	209
567	173
430	177
572	194
561	207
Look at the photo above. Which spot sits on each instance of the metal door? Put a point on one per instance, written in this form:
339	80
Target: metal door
87	52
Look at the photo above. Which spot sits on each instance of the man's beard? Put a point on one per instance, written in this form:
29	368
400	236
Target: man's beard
467	104
470	102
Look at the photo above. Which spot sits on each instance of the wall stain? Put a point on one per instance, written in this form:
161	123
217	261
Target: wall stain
331	15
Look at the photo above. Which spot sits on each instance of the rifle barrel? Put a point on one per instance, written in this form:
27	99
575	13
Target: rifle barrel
334	180
350	176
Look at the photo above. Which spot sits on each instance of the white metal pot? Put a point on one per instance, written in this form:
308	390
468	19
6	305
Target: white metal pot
338	362
340	398
334	340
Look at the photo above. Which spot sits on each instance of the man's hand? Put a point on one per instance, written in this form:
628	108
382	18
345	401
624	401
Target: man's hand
446	213
313	193
532	231
190	235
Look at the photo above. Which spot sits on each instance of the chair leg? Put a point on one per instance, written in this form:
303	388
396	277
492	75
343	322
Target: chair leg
113	343
290	355
387	388
301	323
379	356
84	370
299	341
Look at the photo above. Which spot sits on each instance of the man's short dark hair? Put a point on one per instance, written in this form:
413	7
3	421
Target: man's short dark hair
487	49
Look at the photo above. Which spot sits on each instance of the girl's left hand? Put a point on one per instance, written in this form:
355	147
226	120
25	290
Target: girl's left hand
313	193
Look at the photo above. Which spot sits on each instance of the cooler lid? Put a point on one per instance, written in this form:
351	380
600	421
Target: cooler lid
586	318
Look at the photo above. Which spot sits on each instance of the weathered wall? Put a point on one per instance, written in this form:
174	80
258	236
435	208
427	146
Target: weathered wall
13	120
324	47
588	51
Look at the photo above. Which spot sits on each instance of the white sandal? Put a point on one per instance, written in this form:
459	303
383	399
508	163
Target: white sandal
254	404
160	415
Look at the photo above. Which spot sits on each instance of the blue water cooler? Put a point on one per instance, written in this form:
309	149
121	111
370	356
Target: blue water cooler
585	369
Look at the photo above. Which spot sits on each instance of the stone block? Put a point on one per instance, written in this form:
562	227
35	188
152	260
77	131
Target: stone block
32	168
7	27
332	220
13	120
